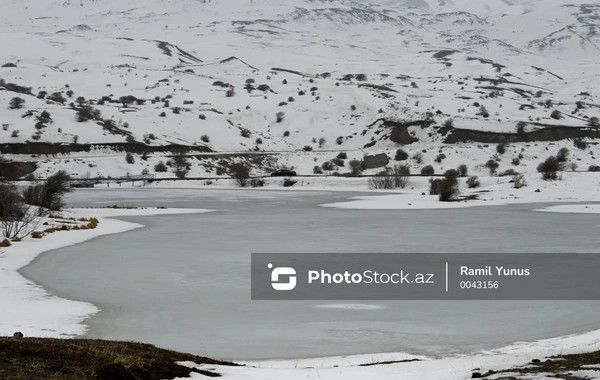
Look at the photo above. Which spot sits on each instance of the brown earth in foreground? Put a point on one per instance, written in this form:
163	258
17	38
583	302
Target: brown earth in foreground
558	367
70	359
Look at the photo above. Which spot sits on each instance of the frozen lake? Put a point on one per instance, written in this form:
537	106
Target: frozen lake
183	281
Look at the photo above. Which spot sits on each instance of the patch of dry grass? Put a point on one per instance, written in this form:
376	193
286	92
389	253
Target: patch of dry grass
76	359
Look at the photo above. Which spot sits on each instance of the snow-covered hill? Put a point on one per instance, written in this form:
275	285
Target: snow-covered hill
215	75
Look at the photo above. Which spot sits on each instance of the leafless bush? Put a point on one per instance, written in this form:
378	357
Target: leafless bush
492	165
427	170
401	155
451	174
448	189
463	170
355	167
401	175
418	157
434	186
181	165
563	154
549	167
279	116
240	172
473	182
257	182
49	194
519	181
160	167
382	181
507	172
23	220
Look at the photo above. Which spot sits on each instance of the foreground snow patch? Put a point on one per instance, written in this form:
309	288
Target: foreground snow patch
32	310
451	368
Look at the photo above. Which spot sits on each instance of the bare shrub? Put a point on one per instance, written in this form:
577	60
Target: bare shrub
160	167
492	165
463	170
563	154
580	143
205	138
181	165
49	194
240	172
549	167
381	181
338	161
451	174
129	158
86	113
501	148
508	172
448	189
279	116
434	185
355	167
257	182
418	157
427	170
16	103
21	221
401	155
519	181
328	166
473	182
401	175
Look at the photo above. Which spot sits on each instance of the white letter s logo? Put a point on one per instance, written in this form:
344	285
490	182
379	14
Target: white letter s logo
283	271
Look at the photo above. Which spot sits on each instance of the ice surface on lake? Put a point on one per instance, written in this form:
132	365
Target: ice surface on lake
183	281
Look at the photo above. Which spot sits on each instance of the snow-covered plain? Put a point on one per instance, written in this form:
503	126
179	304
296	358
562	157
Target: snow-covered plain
420	60
31	309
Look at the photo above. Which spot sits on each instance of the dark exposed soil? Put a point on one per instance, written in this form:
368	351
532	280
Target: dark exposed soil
559	367
70	359
400	133
62	148
455	135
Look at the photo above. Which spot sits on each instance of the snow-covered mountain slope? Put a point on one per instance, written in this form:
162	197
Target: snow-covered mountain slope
221	71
